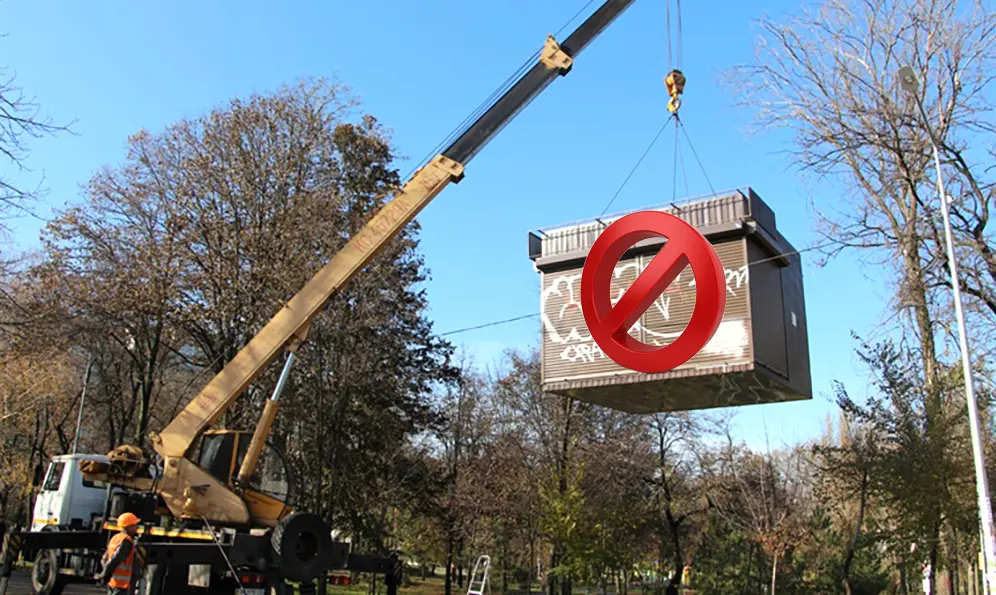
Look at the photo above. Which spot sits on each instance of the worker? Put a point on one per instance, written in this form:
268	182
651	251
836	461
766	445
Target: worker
120	556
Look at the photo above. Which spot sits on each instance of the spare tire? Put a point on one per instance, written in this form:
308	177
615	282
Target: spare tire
45	577
302	546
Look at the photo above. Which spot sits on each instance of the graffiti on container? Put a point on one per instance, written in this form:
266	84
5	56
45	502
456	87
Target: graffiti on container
737	277
730	340
582	352
578	347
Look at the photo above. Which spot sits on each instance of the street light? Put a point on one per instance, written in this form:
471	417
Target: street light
909	83
79	416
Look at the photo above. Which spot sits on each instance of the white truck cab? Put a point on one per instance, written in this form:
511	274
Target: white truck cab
66	499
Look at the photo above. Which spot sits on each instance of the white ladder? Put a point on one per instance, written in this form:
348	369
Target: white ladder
486	561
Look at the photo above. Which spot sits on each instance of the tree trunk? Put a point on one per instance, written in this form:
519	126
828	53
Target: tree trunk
148	384
530	564
448	583
143	416
955	566
750	568
564	465
774	571
36	453
551	579
852	546
972	578
932	575
504	565
921	314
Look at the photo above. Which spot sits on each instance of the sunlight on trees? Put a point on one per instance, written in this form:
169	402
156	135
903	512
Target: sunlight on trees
171	261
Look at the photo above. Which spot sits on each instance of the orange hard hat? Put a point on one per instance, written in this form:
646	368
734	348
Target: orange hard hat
127	519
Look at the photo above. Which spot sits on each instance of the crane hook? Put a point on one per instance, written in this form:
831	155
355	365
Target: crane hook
675	83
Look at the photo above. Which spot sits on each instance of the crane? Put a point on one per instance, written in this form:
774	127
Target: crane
208	476
191	491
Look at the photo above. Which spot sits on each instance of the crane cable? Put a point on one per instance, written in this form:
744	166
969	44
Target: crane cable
675	84
675	80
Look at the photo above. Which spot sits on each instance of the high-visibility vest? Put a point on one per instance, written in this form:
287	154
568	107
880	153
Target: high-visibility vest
121	577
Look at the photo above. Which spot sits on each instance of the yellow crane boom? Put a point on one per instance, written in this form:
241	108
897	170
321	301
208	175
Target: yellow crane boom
190	491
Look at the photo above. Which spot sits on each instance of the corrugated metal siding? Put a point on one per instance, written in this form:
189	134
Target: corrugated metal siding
701	214
670	315
796	328
767	311
569	352
568	349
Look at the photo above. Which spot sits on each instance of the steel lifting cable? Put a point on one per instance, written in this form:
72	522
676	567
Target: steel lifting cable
680	124
636	166
684	173
675	80
675	84
674	173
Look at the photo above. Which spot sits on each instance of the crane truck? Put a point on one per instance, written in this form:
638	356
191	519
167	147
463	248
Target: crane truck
217	505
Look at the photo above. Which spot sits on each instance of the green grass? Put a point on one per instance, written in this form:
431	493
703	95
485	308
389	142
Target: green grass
430	586
434	585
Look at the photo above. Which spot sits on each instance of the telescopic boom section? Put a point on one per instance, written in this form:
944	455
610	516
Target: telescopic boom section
290	325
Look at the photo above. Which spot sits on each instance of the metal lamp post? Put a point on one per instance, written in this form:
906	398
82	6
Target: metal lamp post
909	83
79	416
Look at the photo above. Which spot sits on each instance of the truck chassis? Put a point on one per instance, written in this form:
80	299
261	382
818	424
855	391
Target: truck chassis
239	562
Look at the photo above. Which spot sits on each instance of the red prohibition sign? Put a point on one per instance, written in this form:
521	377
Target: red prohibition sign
609	326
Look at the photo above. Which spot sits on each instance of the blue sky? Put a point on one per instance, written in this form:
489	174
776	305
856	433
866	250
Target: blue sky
420	68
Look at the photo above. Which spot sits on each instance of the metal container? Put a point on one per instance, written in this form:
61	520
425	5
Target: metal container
759	354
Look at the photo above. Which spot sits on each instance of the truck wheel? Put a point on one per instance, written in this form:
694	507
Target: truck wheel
45	578
302	544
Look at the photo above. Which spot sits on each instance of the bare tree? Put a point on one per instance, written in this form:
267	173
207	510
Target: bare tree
675	505
761	495
552	427
20	121
829	75
114	263
846	474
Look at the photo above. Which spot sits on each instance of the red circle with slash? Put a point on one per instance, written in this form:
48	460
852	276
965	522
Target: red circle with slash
609	325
